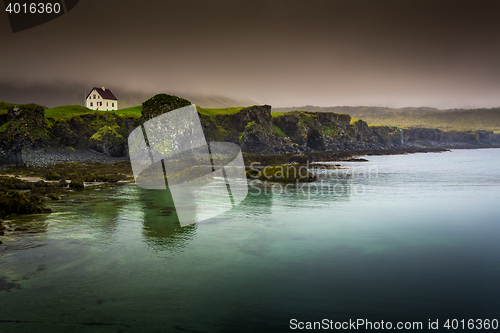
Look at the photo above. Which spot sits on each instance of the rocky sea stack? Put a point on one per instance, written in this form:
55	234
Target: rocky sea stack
160	104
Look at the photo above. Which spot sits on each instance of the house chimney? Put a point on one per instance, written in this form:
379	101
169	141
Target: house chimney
103	89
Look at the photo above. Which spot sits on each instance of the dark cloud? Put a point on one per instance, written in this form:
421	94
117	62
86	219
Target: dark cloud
395	53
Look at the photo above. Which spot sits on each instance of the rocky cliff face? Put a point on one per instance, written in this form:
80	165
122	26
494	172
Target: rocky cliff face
77	132
257	131
254	128
23	126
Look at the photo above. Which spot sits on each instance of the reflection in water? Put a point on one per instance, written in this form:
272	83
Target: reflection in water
22	232
6	285
161	228
421	242
96	210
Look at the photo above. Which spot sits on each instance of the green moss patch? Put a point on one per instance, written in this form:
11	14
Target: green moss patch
4	107
133	112
67	111
160	104
224	111
330	130
277	114
278	131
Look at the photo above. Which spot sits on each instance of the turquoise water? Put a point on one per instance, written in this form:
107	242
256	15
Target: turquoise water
398	238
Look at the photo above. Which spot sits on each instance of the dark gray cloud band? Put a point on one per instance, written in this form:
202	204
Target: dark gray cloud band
394	53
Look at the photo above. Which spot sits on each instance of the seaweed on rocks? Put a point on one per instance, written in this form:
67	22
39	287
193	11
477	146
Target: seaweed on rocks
15	202
76	170
76	184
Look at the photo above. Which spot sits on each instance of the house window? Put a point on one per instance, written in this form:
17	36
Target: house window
106	103
113	104
90	103
94	96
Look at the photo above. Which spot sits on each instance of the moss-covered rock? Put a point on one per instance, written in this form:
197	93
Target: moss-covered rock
11	183
31	120
230	127
109	141
62	133
77	130
15	202
24	126
90	177
255	138
40	184
76	184
51	175
160	104
55	197
62	183
112	178
304	128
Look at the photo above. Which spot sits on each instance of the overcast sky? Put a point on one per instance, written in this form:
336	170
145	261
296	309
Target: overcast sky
443	54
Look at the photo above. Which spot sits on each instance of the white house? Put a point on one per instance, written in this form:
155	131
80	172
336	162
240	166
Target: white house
101	99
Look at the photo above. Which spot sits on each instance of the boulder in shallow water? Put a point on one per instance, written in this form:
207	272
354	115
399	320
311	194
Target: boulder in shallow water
76	184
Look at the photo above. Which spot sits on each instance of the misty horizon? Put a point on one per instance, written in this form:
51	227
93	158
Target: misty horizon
438	54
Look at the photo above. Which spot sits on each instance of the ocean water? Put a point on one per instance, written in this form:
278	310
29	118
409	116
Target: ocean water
404	238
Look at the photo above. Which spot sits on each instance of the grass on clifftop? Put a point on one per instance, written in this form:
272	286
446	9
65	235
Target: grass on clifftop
66	111
134	112
277	114
213	112
5	106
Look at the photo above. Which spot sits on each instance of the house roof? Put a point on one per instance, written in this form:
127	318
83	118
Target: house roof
105	94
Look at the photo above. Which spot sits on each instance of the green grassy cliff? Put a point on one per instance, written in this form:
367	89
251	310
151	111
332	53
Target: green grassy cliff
256	129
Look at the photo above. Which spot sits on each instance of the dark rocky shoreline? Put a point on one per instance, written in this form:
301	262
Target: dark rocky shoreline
93	147
50	156
27	137
86	167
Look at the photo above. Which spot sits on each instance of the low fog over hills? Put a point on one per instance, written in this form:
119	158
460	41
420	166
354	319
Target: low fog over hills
449	119
56	94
